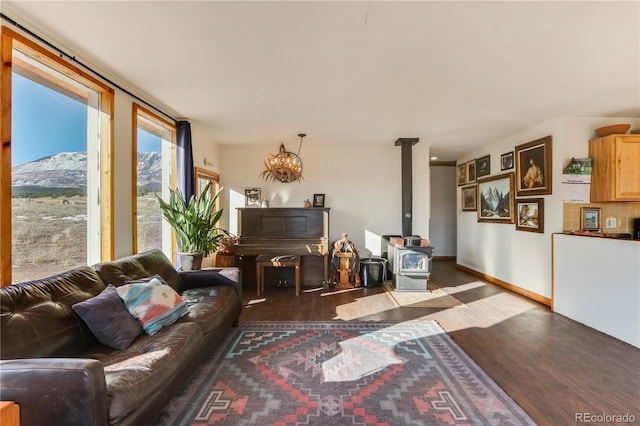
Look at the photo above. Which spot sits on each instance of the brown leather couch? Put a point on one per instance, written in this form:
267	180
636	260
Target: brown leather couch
59	373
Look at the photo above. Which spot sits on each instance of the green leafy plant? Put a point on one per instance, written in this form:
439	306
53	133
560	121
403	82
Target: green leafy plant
195	222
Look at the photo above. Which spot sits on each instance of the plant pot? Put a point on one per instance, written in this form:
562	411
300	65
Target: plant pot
224	260
190	261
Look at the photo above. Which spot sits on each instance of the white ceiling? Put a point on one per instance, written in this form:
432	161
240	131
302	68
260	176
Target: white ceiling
456	74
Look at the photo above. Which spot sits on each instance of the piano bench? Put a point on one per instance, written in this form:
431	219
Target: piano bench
266	260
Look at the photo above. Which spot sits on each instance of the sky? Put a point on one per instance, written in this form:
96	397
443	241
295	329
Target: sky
45	122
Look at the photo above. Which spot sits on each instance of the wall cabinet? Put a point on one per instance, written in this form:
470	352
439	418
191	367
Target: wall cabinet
616	168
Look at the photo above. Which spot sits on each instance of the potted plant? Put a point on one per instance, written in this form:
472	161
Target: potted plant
194	224
225	255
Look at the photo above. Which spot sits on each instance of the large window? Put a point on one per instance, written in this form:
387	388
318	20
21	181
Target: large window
154	158
55	181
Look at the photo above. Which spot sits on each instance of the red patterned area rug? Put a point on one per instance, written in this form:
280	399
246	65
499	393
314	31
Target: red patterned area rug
341	373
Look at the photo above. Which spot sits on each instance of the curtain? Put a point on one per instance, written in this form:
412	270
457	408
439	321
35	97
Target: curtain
184	166
184	158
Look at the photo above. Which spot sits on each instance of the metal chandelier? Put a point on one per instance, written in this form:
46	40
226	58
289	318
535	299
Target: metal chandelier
285	166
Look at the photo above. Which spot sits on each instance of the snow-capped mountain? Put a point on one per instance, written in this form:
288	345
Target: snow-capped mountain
492	198
69	170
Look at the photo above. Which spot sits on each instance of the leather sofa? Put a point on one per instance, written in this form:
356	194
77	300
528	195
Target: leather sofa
59	373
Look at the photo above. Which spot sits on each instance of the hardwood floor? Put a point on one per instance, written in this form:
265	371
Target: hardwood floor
555	368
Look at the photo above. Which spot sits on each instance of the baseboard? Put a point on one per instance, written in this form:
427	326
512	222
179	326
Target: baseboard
493	280
444	258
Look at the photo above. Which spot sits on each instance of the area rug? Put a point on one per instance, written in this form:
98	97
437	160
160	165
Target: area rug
341	373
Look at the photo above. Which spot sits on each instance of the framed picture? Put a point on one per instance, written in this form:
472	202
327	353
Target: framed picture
533	167
469	198
483	166
461	174
471	171
506	161
252	197
495	199
530	214
318	200
590	218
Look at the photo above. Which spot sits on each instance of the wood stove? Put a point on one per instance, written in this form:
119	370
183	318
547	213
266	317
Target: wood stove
411	264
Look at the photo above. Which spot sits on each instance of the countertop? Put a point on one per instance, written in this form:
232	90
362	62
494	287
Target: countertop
596	234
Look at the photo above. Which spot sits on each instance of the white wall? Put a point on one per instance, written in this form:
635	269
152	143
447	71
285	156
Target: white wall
517	257
361	183
605	298
442	232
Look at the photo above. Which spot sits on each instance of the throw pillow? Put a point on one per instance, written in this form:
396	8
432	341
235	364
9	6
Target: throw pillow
153	302
108	319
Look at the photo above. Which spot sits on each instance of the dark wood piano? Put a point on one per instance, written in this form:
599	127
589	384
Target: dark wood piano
281	230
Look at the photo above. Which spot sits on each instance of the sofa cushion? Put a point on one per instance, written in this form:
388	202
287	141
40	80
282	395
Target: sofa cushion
209	306
37	319
108	319
142	371
153	303
138	266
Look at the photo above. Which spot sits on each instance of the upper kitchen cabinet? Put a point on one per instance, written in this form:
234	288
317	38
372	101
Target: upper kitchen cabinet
615	175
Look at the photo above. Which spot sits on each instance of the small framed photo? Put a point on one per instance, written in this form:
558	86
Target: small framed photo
461	174
469	199
506	161
471	171
483	166
533	167
530	215
590	218
318	200
252	197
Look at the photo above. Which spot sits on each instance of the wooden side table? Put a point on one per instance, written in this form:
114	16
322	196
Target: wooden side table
264	261
9	413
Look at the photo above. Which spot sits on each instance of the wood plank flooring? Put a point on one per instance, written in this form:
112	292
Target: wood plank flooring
552	366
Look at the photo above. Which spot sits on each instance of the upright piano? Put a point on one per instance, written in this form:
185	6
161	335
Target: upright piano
284	230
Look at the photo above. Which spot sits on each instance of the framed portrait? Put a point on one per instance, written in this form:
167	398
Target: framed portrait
252	197
590	218
318	200
530	214
461	174
469	199
483	166
471	171
495	199
533	167
506	161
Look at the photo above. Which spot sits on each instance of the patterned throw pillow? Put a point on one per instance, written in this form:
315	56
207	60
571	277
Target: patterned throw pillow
153	302
108	319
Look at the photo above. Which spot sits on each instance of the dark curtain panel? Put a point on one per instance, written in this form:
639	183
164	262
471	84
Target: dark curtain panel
184	157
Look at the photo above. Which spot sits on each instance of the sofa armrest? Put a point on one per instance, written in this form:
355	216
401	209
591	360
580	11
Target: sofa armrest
70	391
231	276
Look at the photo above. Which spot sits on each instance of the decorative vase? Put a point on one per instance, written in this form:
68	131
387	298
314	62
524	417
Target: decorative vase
190	261
265	203
307	203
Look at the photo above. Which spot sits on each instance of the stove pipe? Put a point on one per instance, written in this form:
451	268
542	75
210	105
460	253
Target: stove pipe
405	145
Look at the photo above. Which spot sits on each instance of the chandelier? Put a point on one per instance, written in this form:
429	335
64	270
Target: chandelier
285	166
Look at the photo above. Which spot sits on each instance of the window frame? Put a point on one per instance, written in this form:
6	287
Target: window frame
10	39
139	110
